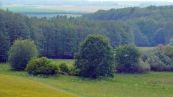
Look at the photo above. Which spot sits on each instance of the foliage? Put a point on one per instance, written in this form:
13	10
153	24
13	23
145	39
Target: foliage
4	46
149	25
64	69
21	52
73	71
68	69
161	58
143	67
60	37
95	58
41	66
127	59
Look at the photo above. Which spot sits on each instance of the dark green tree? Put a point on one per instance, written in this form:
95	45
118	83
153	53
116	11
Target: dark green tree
95	58
21	52
17	29
127	59
4	46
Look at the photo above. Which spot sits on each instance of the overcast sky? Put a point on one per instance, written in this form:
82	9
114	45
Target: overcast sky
132	0
70	1
89	0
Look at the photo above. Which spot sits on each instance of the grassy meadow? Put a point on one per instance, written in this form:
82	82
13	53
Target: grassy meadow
153	84
23	38
12	86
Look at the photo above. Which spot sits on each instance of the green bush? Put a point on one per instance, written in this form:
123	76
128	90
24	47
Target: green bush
167	50
73	71
143	67
161	58
127	60
68	70
20	53
95	58
64	69
41	66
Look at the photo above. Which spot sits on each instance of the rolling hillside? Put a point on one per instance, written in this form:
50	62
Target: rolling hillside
153	84
12	86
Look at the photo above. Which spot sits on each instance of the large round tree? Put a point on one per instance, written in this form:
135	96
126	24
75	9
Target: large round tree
96	58
21	52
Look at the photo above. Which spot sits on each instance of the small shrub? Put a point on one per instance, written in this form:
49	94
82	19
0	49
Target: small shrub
64	69
73	71
41	66
127	60
167	50
68	70
20	53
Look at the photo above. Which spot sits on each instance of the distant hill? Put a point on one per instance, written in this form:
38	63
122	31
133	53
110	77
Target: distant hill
151	25
133	13
143	27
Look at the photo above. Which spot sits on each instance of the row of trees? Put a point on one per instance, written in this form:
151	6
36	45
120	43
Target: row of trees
95	59
23	55
60	37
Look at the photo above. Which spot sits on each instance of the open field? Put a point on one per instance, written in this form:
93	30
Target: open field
12	86
154	84
145	49
69	62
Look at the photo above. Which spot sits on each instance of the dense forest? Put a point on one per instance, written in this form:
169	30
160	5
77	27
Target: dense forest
60	37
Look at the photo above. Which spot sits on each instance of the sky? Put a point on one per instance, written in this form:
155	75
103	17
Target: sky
94	0
79	5
134	0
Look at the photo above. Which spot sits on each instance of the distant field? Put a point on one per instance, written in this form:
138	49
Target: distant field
20	84
145	49
69	62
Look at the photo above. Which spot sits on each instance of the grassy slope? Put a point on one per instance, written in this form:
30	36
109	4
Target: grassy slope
123	85
20	84
12	86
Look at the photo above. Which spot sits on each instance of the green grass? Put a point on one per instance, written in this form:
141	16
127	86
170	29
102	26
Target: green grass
154	84
145	49
68	62
12	86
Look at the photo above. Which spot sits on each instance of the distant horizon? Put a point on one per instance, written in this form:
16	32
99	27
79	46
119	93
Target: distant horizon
30	1
84	6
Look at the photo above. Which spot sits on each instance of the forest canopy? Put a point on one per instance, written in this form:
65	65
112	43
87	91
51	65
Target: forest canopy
60	37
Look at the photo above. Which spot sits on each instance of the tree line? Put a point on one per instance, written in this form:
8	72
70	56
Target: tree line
60	37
